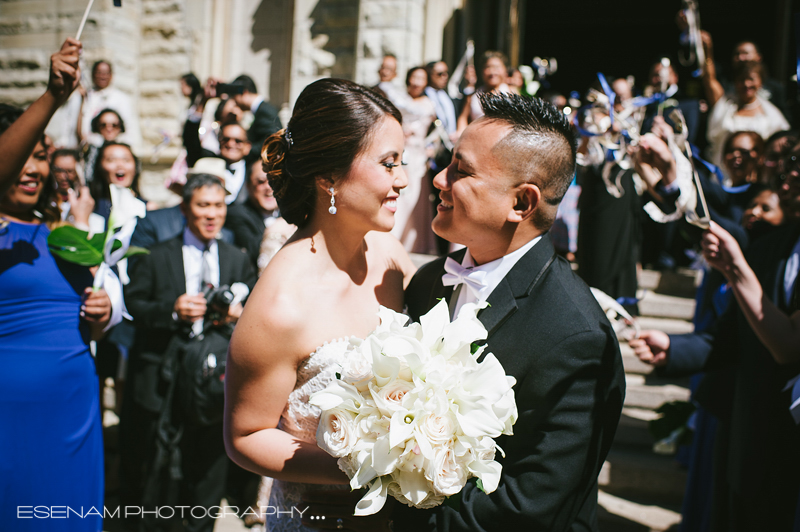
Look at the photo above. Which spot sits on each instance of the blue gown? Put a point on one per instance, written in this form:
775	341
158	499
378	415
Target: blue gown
51	440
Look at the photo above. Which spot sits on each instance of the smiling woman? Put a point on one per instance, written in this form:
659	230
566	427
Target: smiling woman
48	313
343	148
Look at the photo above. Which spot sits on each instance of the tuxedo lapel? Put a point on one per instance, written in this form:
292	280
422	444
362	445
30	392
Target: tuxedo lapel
175	265
518	283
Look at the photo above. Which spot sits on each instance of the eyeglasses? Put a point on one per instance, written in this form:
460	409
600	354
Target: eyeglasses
113	125
440	74
741	154
225	140
57	170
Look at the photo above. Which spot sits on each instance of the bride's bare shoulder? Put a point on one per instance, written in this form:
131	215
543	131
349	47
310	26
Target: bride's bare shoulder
275	317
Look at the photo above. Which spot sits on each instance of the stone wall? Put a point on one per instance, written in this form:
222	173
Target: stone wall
283	44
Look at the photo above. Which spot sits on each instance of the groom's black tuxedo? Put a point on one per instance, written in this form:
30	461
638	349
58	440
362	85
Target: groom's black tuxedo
550	334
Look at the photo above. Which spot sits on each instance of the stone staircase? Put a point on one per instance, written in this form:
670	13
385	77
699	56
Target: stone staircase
642	491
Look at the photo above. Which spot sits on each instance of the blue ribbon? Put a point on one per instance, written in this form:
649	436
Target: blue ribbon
711	168
736	190
611	95
627	301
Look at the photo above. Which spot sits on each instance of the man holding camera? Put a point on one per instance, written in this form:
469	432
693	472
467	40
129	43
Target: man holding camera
177	294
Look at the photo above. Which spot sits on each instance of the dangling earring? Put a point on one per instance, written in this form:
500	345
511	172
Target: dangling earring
332	208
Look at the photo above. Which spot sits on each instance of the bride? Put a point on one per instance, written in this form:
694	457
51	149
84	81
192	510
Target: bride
336	173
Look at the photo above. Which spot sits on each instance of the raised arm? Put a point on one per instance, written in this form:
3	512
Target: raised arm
261	373
777	331
18	141
711	84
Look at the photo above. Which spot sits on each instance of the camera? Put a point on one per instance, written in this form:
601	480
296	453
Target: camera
218	301
229	88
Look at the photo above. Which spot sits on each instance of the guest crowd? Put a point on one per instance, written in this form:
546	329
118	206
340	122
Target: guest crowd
651	157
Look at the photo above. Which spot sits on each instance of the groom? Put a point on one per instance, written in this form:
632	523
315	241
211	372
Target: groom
499	196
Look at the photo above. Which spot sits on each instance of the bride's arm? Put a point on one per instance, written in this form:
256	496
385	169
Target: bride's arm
260	375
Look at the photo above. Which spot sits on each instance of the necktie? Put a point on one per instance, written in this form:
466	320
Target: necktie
205	271
457	274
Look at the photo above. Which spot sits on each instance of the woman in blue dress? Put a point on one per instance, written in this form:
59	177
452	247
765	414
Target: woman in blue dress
51	442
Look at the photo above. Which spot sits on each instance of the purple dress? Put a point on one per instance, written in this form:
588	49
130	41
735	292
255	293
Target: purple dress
51	441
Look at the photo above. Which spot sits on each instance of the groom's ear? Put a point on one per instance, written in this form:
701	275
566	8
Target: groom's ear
527	198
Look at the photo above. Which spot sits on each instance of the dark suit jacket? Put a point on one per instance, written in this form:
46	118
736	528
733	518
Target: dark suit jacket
157	280
757	438
265	123
247	225
550	334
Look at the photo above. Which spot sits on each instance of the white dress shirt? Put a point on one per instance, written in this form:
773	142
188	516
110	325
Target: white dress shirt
445	110
193	249
234	180
495	273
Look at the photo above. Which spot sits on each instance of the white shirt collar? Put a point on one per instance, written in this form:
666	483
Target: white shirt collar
496	271
191	240
256	103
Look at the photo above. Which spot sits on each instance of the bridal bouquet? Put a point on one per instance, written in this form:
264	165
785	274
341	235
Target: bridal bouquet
413	414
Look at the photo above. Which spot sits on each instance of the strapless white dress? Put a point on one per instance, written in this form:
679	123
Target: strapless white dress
300	419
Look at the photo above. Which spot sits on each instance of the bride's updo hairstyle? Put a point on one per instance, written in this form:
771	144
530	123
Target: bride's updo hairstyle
332	123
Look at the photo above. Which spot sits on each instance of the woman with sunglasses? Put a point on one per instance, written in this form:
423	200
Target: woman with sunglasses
108	124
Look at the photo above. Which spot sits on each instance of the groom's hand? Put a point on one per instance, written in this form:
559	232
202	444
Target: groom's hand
333	510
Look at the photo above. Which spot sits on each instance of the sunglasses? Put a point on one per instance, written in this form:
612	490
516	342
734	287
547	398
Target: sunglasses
114	125
225	140
741	154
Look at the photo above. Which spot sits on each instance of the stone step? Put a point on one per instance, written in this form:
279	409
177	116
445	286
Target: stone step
632	429
682	282
649	392
622	515
653	304
630	471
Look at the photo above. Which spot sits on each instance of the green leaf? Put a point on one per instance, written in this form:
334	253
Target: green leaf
479	483
72	245
136	250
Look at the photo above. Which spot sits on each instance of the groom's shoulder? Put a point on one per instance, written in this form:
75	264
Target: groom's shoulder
574	302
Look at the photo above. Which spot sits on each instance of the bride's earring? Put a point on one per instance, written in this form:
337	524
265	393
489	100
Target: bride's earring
332	208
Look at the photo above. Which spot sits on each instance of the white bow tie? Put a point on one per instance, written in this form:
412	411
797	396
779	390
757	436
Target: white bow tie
457	274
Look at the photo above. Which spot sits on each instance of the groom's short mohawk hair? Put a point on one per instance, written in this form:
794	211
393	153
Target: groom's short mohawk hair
542	145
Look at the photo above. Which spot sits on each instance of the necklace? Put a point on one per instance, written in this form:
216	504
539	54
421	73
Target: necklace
755	104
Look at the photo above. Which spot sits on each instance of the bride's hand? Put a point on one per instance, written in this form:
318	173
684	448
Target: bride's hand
333	510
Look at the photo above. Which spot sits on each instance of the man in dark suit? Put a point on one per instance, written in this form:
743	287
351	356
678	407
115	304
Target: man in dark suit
265	116
165	299
756	469
234	146
499	197
248	221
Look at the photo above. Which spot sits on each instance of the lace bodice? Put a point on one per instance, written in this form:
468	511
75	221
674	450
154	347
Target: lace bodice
300	419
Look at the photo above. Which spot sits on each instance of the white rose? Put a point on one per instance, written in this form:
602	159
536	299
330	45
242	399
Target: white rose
389	398
448	476
336	432
356	370
437	429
